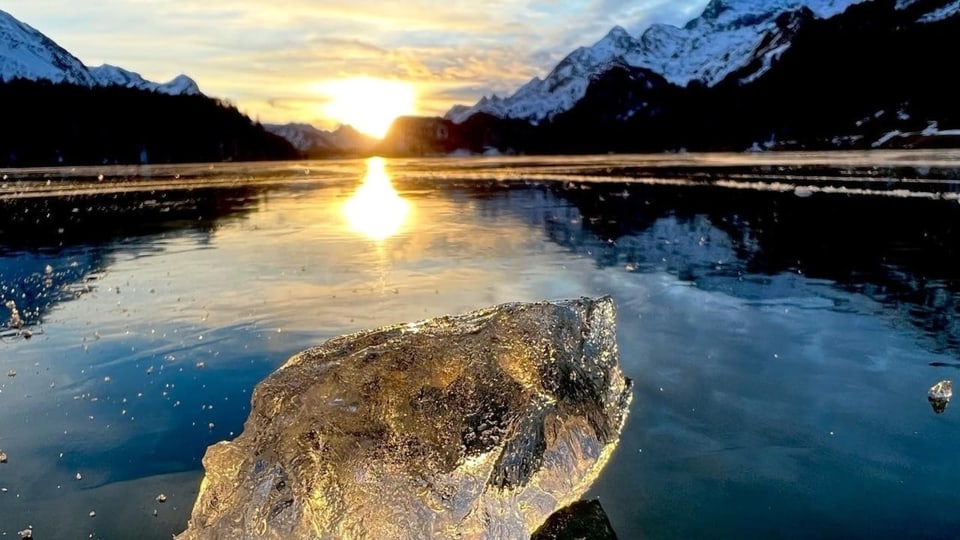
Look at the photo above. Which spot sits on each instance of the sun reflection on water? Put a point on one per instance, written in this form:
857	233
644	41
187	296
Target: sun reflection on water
376	210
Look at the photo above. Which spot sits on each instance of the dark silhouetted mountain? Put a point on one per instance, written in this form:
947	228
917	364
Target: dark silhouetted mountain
318	143
51	124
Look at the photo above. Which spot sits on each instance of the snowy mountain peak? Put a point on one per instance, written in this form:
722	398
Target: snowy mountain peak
180	85
617	36
728	36
750	11
617	42
25	53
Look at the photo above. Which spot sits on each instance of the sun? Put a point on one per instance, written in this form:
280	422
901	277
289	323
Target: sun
369	105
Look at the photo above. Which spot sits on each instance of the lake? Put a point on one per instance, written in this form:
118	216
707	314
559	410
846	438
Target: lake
782	317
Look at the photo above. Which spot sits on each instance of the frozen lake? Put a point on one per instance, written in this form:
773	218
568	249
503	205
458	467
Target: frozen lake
782	316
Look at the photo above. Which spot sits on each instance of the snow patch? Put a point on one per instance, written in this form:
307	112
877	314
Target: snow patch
944	12
887	138
932	130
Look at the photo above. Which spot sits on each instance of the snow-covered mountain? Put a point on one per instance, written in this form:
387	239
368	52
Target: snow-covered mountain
746	74
107	75
729	36
25	53
310	140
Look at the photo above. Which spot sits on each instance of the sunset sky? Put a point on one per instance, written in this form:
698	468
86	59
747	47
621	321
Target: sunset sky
285	60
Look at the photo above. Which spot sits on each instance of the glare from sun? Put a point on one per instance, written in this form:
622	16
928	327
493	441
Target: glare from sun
376	210
368	104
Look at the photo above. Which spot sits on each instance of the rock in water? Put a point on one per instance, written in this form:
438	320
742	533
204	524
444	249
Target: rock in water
939	396
472	426
582	520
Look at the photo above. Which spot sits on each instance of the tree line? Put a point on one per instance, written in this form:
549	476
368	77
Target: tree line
45	123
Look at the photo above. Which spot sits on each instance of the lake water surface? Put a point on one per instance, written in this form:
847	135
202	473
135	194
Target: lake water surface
782	316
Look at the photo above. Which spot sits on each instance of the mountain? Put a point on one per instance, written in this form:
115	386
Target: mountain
726	37
107	75
870	77
65	113
313	142
55	124
25	53
782	74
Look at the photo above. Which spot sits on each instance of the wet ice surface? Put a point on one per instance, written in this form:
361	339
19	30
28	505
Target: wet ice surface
781	341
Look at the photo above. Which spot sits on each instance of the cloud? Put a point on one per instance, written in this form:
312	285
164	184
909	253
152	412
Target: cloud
251	53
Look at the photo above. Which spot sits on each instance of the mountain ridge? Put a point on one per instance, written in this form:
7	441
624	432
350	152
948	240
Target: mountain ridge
66	113
870	77
26	53
313	142
728	36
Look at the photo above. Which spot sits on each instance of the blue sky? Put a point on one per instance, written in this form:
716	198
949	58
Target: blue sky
270	57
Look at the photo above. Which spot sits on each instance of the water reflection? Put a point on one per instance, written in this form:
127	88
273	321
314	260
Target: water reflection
376	210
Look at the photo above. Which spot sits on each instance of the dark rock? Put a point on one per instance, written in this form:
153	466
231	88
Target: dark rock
479	425
582	520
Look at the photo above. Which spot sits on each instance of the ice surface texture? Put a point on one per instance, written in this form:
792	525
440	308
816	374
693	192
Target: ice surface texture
472	426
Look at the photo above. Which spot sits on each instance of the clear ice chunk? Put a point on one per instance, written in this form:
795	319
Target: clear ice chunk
479	425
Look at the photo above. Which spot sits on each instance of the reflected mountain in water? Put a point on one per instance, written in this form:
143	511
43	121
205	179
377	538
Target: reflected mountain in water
902	253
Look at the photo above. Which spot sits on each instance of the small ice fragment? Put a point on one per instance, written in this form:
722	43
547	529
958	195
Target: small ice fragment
3	457
939	395
79	476
211	425
12	373
941	390
15	320
93	513
26	533
161	498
